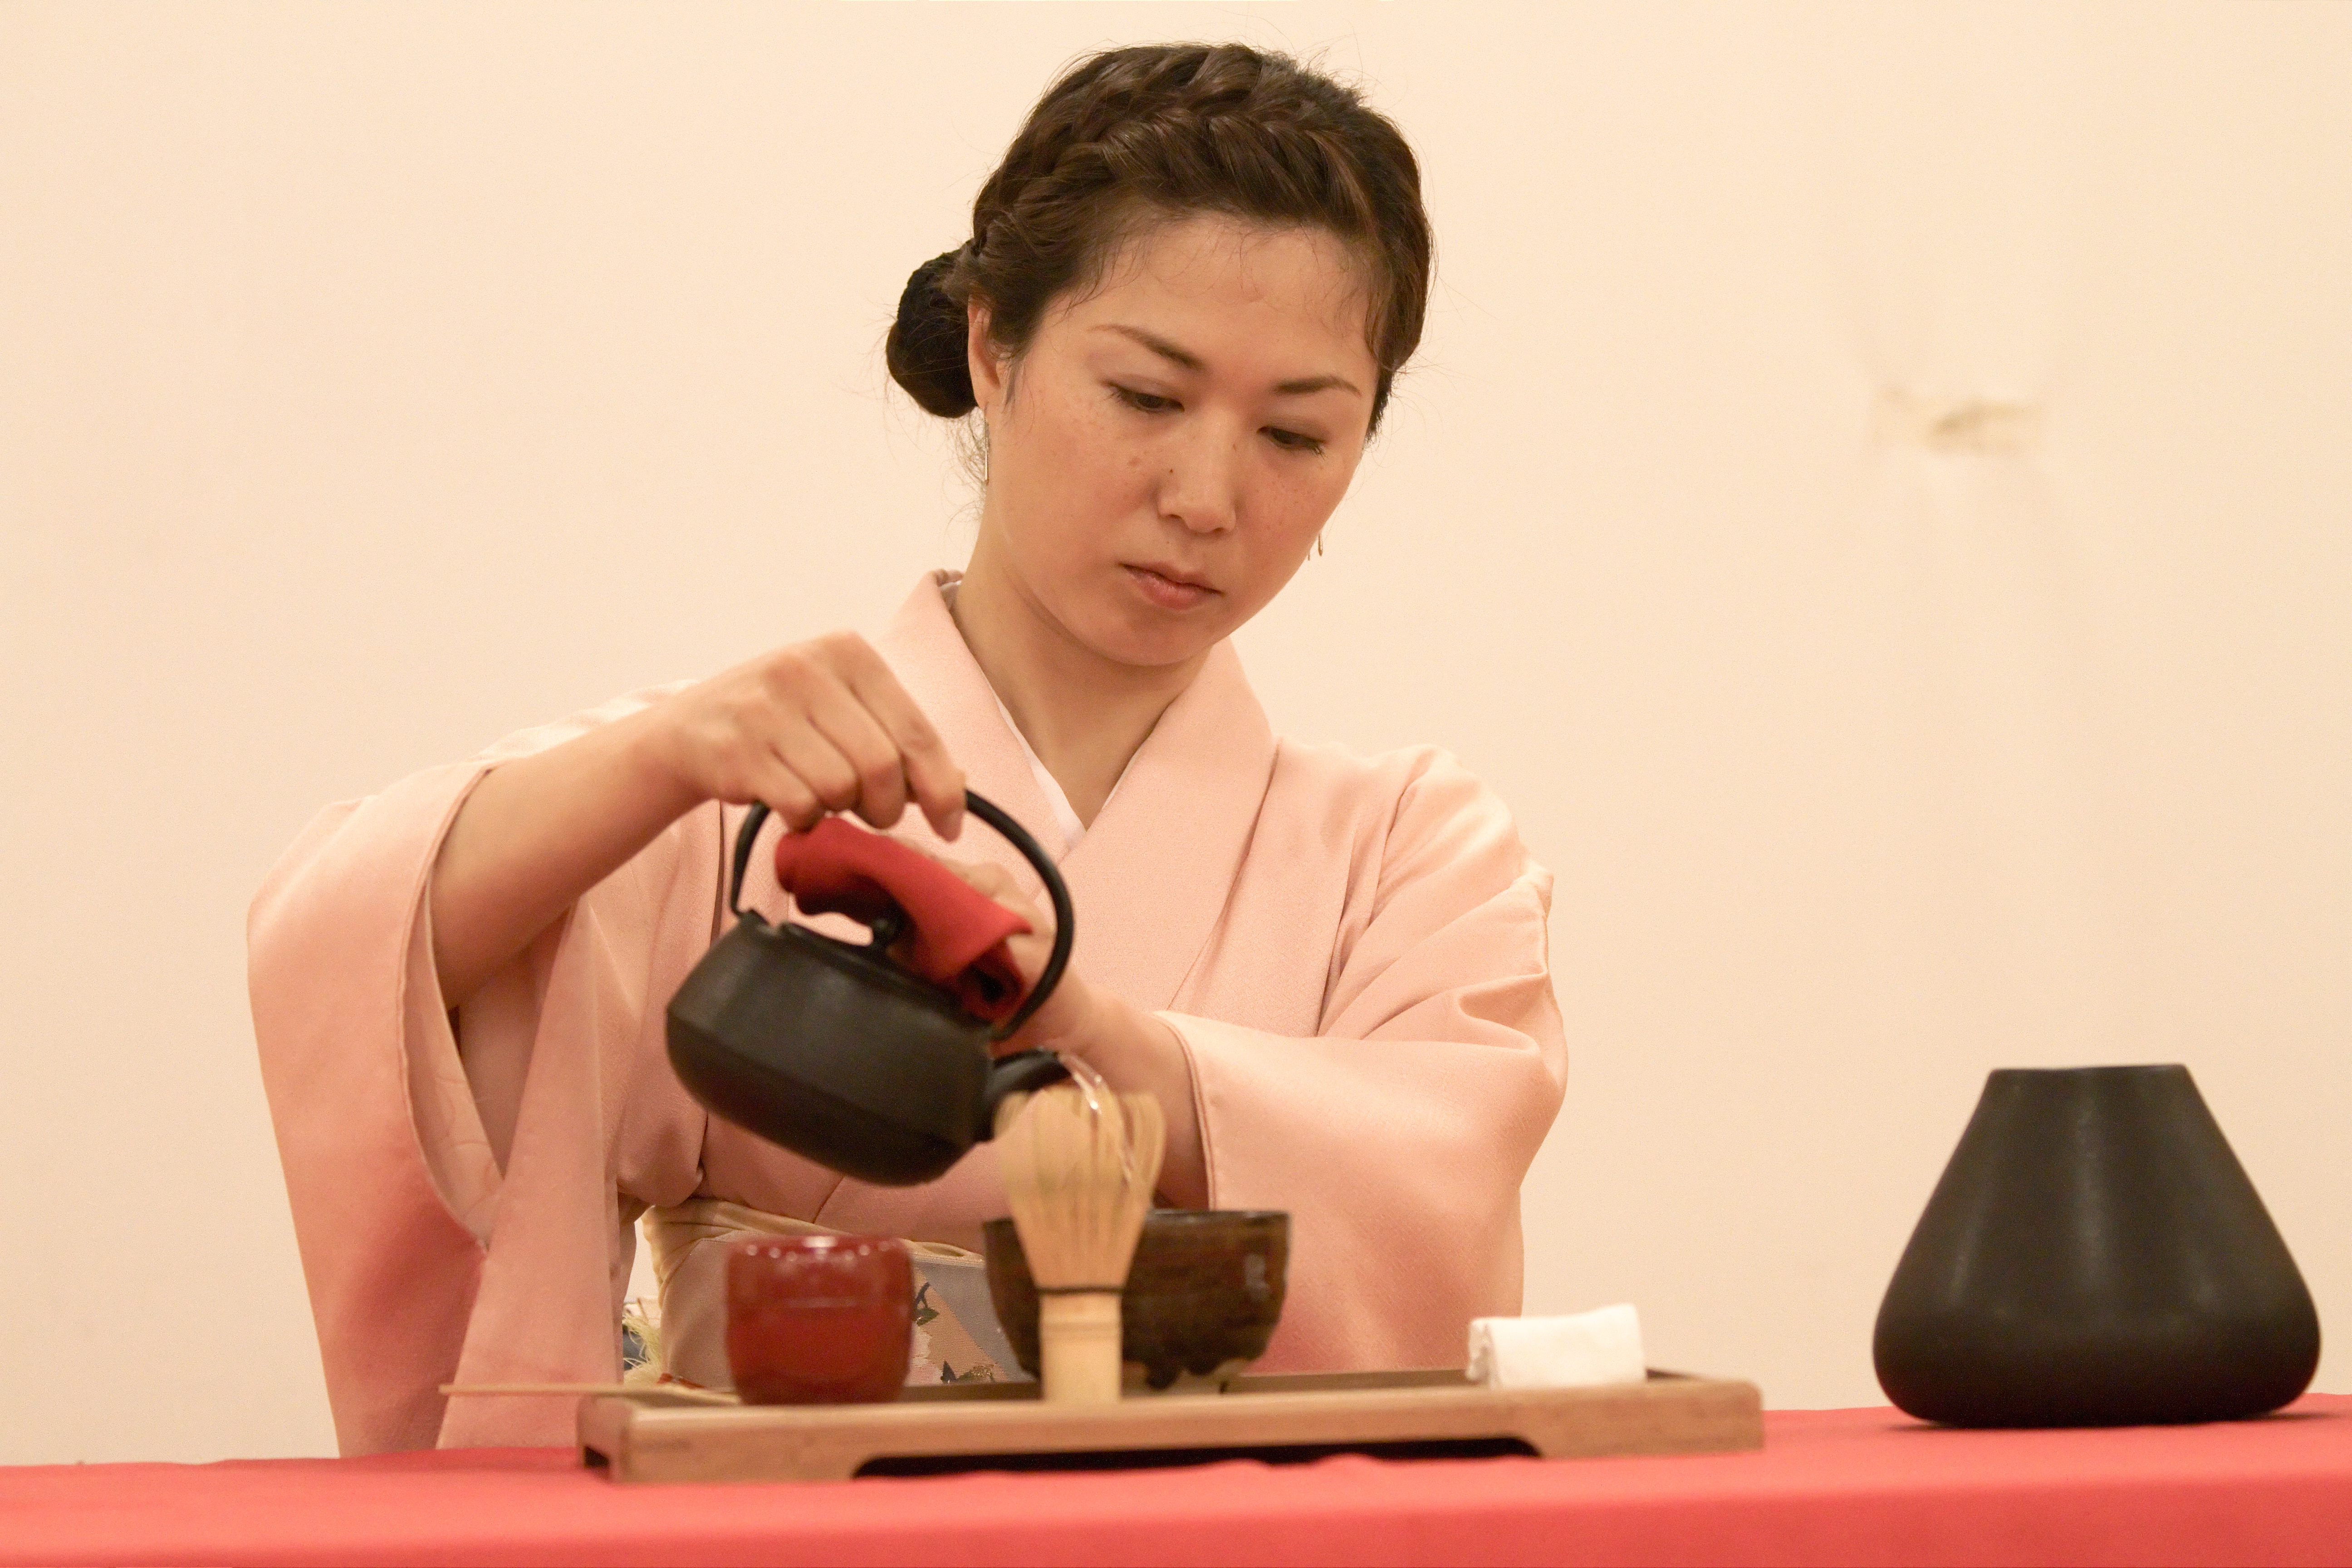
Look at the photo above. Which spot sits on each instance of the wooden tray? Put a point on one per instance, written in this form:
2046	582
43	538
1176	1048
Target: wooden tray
1004	1426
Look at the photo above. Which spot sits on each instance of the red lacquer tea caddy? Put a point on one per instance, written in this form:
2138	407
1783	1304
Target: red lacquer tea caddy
819	1320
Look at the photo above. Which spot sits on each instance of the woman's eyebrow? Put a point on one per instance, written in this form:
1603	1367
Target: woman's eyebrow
1185	360
1156	344
1316	384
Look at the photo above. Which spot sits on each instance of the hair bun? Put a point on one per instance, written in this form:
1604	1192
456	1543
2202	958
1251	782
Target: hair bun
926	349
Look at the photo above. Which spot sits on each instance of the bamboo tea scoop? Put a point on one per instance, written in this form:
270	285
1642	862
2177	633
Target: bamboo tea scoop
581	1390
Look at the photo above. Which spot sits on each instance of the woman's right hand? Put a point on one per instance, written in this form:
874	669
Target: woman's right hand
818	727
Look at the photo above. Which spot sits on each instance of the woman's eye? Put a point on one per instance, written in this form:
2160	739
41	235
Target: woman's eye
1156	402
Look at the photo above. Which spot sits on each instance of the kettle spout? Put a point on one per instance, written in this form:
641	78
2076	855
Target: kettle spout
1017	1074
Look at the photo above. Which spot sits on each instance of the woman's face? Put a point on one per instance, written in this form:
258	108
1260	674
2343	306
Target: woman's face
1163	455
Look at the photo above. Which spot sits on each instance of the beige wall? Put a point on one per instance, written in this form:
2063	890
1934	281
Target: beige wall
376	378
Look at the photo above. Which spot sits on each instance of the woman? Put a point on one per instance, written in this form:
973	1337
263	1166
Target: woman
1187	293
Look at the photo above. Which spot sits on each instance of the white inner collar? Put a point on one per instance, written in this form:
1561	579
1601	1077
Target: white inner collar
1057	800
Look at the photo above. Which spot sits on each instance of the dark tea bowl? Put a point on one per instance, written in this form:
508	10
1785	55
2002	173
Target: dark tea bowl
819	1320
1202	1299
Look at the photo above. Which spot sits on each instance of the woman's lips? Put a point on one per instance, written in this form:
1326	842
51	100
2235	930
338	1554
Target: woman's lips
1169	593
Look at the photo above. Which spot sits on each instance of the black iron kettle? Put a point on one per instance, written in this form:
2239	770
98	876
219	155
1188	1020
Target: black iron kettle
2094	1256
840	1054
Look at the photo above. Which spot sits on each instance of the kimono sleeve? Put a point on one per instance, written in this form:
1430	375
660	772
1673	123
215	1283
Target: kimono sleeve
460	1213
1397	1134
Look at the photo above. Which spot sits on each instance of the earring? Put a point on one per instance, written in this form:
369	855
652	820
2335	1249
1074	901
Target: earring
1319	544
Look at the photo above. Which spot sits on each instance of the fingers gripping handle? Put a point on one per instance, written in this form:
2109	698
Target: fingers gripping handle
1057	892
996	817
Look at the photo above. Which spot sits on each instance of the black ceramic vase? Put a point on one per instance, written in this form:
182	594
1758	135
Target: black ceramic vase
2094	1256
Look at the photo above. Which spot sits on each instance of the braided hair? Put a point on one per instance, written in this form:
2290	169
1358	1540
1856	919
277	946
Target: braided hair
1135	136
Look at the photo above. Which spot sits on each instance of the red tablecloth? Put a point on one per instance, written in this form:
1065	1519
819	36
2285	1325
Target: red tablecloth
1834	1485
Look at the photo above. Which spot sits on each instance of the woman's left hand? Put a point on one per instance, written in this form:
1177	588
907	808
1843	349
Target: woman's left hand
1135	1051
1070	1016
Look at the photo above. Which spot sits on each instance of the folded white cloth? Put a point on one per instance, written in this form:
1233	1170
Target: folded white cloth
1585	1350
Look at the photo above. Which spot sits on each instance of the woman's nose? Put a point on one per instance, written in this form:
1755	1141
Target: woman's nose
1201	486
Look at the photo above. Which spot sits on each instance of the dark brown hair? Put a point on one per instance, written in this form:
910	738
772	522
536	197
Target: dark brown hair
1137	135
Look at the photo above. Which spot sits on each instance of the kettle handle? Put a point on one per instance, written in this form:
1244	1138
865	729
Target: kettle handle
996	817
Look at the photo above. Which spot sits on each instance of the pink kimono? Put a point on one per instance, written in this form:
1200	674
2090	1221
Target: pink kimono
1353	950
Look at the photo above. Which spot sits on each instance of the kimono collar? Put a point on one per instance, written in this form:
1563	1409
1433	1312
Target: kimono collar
1148	881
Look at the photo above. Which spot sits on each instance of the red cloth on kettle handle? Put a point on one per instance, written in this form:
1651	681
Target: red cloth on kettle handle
955	934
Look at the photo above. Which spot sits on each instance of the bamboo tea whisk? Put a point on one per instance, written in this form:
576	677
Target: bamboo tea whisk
1079	1163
